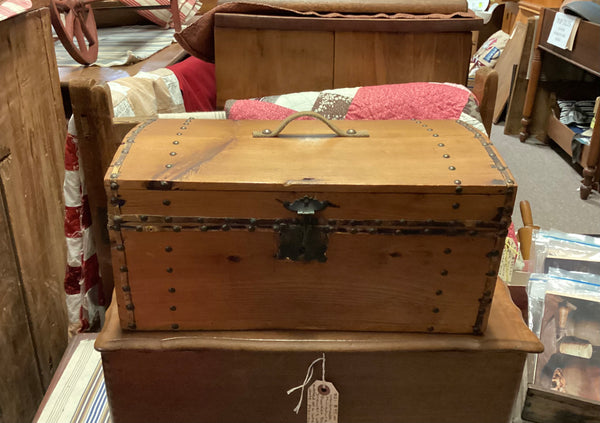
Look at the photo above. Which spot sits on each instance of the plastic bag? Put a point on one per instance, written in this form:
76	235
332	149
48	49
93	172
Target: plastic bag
566	251
565	314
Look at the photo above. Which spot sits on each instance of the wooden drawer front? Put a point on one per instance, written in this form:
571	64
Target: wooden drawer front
372	58
224	280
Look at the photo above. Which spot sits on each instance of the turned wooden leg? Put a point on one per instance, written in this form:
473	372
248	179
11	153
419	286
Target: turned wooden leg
536	68
593	161
534	76
588	182
524	133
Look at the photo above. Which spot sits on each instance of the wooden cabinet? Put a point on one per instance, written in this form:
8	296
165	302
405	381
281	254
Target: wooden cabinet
33	320
584	56
259	55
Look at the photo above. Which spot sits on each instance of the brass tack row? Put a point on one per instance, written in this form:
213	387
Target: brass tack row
190	222
326	229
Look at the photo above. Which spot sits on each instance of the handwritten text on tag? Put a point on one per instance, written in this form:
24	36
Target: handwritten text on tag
322	403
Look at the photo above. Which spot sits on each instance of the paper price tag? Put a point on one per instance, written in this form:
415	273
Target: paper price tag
562	33
322	403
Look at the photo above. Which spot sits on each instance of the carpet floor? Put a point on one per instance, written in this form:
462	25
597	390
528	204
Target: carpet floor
550	183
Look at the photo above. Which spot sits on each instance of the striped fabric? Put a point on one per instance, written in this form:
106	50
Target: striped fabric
122	45
162	17
80	394
83	284
146	94
10	8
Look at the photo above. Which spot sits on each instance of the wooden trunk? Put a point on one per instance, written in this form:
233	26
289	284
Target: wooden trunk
215	229
33	320
258	55
242	377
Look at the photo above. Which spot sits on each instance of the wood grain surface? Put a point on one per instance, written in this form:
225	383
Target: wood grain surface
231	280
547	406
398	156
20	382
373	58
34	129
380	376
255	63
258	55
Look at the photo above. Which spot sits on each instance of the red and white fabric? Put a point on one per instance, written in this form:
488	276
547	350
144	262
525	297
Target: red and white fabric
10	8
83	284
413	100
162	17
145	94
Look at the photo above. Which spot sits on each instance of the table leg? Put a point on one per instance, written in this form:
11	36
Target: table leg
591	167
536	68
534	76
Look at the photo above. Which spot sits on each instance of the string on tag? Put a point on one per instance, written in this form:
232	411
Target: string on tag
307	379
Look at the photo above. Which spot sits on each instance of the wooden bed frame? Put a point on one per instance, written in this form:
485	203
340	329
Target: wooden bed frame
100	134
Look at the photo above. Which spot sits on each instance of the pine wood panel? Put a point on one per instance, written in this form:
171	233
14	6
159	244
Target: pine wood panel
380	376
267	62
506	331
34	128
223	155
268	205
20	382
391	58
231	280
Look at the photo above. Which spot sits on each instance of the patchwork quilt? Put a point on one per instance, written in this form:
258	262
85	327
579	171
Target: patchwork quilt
415	100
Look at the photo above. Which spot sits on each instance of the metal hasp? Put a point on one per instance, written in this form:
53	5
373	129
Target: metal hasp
306	240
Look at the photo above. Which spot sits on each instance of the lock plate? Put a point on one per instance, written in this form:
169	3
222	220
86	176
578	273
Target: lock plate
305	241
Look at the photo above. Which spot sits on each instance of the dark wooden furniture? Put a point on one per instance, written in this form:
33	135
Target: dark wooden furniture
585	54
547	406
33	318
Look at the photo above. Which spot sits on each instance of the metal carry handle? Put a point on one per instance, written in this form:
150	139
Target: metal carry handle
267	133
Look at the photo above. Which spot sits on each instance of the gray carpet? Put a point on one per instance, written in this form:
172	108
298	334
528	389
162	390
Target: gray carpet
550	184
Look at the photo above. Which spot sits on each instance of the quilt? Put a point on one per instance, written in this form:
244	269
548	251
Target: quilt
415	100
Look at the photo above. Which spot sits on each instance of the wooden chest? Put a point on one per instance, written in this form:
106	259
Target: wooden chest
242	377
269	53
213	228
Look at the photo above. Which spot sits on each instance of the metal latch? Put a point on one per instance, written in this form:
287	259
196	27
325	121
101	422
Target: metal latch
304	241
